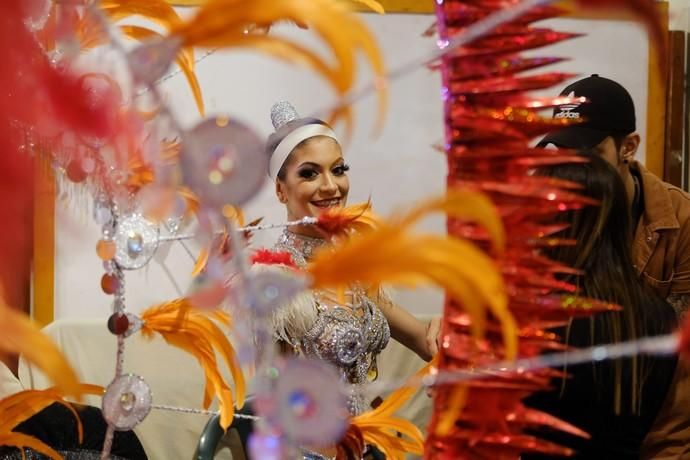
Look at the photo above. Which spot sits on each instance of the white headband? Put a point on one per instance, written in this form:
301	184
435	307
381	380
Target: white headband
291	141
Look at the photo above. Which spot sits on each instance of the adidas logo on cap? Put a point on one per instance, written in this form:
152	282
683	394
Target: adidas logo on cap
566	111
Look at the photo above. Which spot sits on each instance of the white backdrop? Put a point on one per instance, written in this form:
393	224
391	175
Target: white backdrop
395	169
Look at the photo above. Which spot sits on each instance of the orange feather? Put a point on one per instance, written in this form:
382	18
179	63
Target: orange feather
393	436
197	332
392	253
224	23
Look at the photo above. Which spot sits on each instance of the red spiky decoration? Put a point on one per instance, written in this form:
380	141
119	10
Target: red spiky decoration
489	124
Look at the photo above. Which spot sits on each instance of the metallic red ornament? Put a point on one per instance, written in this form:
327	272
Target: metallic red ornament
109	284
490	124
75	172
118	323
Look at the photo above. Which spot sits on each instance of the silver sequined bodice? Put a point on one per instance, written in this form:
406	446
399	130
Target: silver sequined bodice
349	335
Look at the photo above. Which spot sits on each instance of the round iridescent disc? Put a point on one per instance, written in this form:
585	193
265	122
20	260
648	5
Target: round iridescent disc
127	401
150	61
137	240
310	403
224	162
271	289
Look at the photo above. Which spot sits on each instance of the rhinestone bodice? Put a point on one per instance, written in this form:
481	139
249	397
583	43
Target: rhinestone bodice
348	334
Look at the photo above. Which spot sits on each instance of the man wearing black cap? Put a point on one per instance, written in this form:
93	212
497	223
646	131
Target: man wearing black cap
661	218
660	211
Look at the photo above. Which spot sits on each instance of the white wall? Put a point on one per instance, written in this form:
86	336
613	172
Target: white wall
679	15
395	169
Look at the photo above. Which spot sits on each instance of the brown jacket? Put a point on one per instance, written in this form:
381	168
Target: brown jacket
661	247
661	254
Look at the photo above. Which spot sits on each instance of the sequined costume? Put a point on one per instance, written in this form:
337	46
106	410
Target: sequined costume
348	334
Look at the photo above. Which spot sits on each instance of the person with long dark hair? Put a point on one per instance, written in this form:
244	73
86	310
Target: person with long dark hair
616	402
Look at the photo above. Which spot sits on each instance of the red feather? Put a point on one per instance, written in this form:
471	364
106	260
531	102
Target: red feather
269	257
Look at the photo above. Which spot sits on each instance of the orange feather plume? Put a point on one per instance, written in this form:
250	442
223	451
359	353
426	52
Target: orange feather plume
223	23
19	407
197	332
393	254
393	436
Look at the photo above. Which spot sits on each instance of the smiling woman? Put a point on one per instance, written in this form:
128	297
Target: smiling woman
307	165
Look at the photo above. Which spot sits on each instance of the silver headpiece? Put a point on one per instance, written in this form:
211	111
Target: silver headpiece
281	113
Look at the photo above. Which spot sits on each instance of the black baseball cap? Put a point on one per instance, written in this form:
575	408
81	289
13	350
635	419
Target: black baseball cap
609	110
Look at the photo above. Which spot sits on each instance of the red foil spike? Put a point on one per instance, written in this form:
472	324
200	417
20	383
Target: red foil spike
488	67
502	44
490	124
508	84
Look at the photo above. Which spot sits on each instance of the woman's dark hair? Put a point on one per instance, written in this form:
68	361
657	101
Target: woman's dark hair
603	253
276	138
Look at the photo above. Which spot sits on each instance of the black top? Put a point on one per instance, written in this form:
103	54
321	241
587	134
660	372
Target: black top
56	426
587	401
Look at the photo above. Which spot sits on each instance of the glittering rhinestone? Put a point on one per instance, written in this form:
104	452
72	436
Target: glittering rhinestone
135	244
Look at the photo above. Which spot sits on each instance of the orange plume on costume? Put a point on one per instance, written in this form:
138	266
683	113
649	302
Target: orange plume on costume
393	254
19	407
224	23
393	436
197	332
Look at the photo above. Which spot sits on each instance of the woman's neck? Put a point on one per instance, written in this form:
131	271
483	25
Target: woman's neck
308	231
303	244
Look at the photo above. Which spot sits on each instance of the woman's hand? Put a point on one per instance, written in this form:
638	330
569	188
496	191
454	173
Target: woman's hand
433	332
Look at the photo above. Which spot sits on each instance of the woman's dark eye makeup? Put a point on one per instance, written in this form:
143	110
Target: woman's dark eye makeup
311	171
307	173
341	169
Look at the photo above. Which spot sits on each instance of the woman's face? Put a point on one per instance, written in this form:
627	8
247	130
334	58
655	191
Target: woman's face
315	179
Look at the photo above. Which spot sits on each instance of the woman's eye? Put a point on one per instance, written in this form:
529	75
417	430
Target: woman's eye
340	170
307	173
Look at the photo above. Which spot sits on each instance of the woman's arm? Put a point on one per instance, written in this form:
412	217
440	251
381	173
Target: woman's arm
416	335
